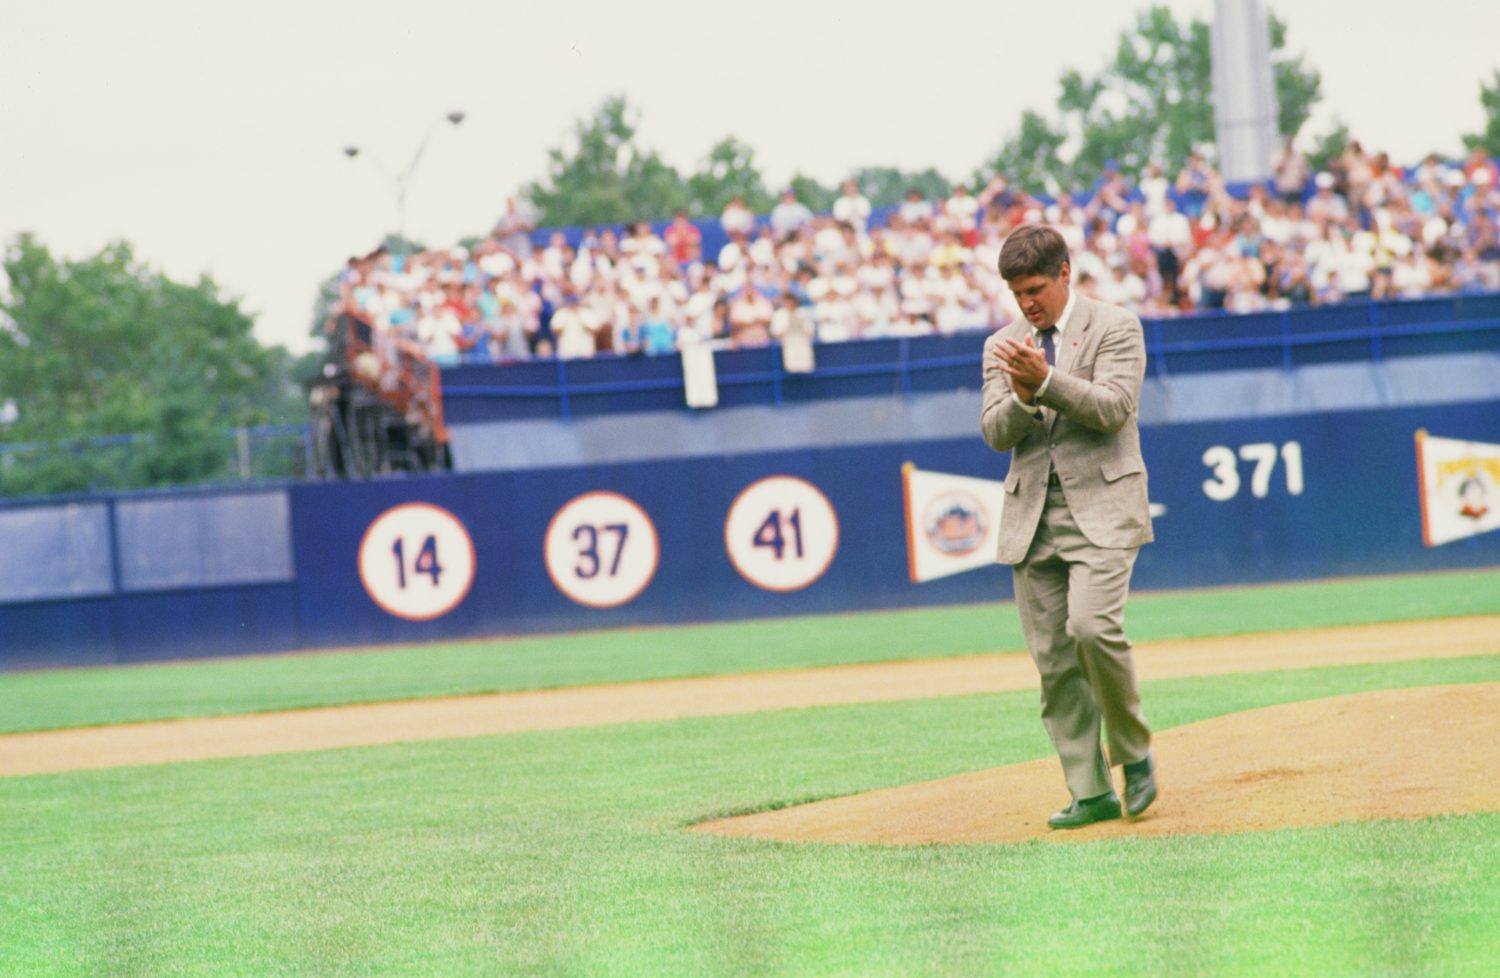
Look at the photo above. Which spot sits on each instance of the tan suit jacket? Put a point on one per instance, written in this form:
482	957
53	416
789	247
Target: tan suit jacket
1086	431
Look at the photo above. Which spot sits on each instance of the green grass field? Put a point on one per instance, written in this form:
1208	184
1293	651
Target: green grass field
83	697
563	853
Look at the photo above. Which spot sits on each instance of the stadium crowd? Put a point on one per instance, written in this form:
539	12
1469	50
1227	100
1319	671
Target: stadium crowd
1362	227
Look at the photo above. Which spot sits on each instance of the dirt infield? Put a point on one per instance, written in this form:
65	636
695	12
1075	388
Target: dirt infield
1406	753
502	713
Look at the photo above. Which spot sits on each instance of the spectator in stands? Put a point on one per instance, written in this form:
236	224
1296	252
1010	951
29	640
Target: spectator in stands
1427	179
1246	279
699	321
950	252
996	193
908	241
762	251
658	333
1486	247
1290	171
1481	198
959	303
576	327
790	215
1412	275
440	328
1327	205
1295	280
1479	161
1112	196
852	208
1067	217
838	243
1355	170
917	211
722	327
513	230
1343	269
931	267
1171	237
961	215
1154	189
510	328
1386	184
737	218
833	310
556	258
791	317
644	247
749	319
1208	273
684	240
613	307
1195	181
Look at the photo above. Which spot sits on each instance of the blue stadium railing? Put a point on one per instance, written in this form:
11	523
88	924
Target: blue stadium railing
1347	332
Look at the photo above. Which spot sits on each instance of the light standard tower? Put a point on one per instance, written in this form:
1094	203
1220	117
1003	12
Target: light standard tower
402	180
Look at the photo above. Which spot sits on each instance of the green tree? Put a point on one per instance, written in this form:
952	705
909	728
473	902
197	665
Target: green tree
1489	99
1298	86
106	346
1153	101
1031	160
606	177
1330	145
818	198
728	171
884	186
399	244
329	297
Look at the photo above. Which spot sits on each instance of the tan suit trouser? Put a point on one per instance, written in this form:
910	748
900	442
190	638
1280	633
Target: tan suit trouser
1071	597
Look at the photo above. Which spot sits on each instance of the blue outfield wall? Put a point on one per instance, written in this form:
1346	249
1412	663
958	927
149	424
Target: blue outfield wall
1356	511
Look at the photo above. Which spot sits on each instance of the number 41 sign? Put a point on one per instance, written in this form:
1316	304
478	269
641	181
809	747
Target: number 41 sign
781	533
416	561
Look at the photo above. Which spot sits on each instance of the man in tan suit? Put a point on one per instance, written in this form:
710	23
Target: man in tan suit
1060	393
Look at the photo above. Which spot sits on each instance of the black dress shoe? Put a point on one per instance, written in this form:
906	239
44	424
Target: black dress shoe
1087	812
1140	786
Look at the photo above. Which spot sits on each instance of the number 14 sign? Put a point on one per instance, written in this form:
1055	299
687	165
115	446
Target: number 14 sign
416	561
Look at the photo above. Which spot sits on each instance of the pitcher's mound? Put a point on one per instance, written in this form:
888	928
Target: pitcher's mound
1406	753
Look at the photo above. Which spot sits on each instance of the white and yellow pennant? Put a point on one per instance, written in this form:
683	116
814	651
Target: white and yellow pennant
1460	488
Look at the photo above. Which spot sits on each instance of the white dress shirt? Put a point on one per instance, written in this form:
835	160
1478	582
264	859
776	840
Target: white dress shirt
1036	340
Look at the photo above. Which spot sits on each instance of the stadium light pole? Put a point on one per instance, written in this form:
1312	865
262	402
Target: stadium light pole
402	181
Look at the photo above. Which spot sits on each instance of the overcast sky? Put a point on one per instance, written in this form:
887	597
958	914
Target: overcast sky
209	134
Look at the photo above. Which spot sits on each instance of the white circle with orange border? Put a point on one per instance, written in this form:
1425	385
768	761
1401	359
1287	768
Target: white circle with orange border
601	549
781	533
416	561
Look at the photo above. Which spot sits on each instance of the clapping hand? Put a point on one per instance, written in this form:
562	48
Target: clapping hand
1025	364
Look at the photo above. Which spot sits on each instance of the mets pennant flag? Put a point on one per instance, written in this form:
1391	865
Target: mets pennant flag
1460	488
952	522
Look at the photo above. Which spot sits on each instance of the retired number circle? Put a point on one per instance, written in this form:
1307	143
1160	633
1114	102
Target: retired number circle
601	549
416	561
781	533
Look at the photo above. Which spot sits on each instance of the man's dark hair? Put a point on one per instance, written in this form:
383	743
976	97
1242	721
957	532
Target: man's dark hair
1033	249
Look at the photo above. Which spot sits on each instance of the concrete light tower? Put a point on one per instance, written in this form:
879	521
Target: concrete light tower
1244	90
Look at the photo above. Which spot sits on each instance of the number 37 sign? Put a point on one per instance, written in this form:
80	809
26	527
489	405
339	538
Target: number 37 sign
601	549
